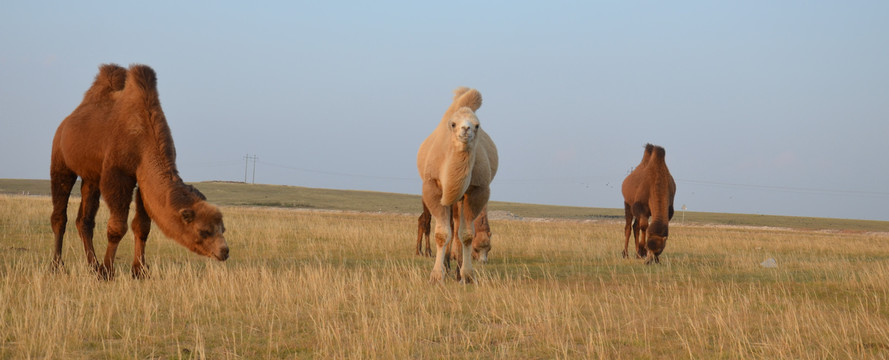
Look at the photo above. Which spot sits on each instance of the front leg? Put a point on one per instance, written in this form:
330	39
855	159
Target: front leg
141	227
442	214
641	251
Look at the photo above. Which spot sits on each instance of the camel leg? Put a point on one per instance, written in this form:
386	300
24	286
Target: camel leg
641	251
442	215
117	189
86	219
141	227
452	250
426	234
473	204
456	251
420	231
628	229
61	185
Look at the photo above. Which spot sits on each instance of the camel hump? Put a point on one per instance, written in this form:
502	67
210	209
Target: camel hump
110	78
466	97
649	148
143	77
658	153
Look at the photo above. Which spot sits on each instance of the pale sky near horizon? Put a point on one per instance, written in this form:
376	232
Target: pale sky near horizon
764	107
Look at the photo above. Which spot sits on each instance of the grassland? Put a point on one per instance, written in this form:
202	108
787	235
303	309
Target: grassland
312	284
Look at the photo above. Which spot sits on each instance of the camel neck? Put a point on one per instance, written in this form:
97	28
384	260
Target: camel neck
457	174
163	194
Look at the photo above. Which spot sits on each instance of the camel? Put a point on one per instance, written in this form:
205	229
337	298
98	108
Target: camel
481	240
457	163
116	139
648	192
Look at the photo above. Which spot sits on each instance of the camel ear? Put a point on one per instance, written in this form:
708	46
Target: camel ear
187	215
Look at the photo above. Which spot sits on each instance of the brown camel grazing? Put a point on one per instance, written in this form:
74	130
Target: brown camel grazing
648	192
481	240
115	139
457	163
424	223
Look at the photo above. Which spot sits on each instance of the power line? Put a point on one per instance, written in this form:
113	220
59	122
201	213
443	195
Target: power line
334	173
785	188
581	180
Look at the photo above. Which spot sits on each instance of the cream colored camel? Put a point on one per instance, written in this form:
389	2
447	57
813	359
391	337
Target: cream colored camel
457	163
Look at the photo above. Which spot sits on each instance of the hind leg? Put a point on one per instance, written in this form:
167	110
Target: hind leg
86	219
427	230
475	201
419	235
456	249
62	182
628	228
141	227
117	188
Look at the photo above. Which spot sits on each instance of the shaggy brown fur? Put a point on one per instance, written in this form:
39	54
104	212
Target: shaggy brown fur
424	223
115	139
457	163
481	240
648	192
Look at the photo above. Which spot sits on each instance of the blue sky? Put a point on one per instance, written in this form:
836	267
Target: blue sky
764	107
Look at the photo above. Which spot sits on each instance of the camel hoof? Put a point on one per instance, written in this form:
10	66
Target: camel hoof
105	273
625	255
58	267
140	272
436	276
466	280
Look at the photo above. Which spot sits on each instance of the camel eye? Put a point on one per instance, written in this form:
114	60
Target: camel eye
453	125
476	126
204	234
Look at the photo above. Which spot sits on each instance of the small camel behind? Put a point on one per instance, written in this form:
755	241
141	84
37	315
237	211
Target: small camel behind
115	139
481	239
457	163
648	193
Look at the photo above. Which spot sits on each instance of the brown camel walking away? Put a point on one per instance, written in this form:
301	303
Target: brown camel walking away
648	193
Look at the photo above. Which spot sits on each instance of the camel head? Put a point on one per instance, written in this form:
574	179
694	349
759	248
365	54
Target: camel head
464	127
657	241
203	230
481	245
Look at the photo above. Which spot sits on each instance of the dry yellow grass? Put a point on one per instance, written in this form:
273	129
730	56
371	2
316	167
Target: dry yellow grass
303	284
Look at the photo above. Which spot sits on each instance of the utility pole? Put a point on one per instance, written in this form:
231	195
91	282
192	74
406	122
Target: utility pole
247	159
247	156
254	168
